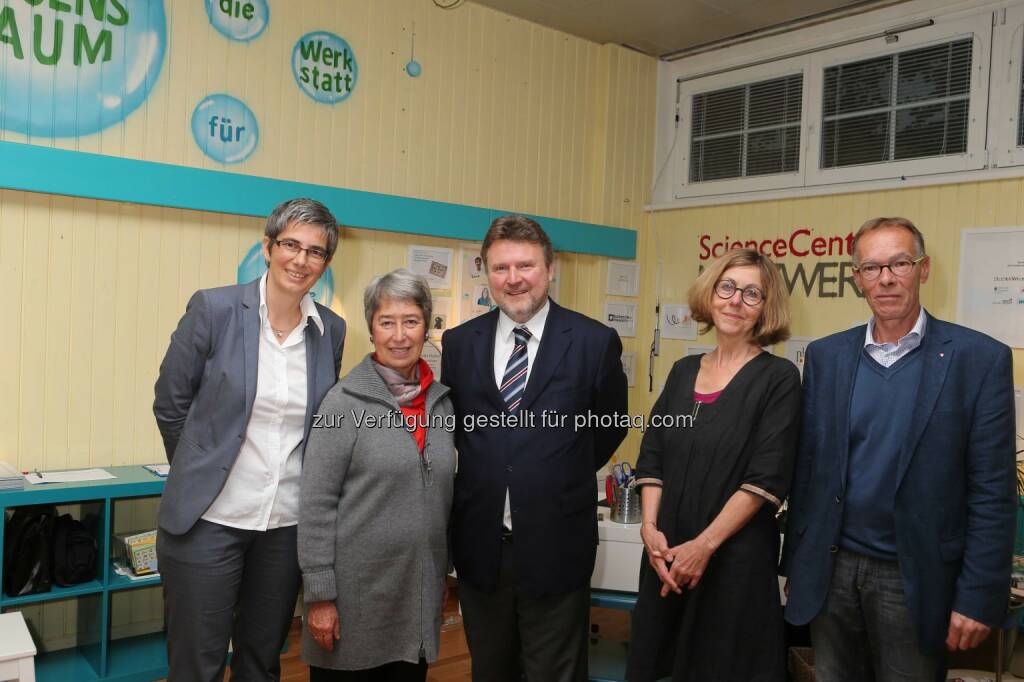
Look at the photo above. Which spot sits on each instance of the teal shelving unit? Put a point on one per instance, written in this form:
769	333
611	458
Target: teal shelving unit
607	658
96	657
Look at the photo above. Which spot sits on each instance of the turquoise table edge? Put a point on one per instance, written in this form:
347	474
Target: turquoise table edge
129	481
35	168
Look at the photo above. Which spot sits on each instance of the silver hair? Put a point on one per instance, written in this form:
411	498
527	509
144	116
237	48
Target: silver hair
307	211
400	285
876	223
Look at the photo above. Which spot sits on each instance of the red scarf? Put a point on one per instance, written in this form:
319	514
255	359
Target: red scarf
418	407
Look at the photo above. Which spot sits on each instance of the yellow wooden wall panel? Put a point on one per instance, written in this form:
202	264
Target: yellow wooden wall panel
55	312
85	250
12	244
93	290
32	367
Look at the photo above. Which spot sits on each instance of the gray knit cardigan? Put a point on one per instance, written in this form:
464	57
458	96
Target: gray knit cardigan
373	523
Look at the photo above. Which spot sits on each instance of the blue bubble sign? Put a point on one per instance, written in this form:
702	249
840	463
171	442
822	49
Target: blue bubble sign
74	68
225	128
253	266
325	67
242	20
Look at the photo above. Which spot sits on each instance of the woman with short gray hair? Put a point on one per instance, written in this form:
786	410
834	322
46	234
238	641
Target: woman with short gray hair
376	496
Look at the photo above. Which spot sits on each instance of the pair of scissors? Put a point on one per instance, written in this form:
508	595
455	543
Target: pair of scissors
623	473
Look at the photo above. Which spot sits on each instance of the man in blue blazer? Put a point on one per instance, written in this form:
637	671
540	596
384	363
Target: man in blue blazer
902	513
530	383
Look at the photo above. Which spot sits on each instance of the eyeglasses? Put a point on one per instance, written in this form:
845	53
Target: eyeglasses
751	295
292	248
899	268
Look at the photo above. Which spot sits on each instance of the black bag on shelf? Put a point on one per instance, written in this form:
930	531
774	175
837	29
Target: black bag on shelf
74	552
28	537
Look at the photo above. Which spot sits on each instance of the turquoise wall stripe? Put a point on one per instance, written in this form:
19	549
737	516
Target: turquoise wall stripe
58	171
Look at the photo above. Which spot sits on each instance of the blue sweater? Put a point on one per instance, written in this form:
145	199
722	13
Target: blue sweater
880	413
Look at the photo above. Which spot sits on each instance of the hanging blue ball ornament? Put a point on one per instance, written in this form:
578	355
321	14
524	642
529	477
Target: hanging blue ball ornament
413	68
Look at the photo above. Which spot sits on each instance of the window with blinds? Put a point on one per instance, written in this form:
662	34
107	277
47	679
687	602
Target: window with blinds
909	105
746	130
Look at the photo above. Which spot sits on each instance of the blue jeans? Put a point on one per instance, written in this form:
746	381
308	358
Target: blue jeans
864	632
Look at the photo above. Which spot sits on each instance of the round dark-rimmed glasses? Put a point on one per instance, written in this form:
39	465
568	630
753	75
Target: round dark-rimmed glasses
899	268
751	295
292	248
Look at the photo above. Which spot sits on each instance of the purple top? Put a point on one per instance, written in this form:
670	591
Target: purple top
706	398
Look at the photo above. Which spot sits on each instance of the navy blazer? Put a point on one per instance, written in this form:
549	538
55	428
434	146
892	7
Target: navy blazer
956	498
207	386
549	471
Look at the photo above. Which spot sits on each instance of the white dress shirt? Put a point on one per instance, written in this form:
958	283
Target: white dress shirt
262	488
504	344
887	354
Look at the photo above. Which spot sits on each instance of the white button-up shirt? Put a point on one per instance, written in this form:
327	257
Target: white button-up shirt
504	344
262	488
888	354
505	340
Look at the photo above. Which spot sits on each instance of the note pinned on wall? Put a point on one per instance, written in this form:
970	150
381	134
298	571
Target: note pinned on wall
677	322
434	263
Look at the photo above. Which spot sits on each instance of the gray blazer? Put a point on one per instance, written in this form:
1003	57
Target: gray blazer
206	388
373	523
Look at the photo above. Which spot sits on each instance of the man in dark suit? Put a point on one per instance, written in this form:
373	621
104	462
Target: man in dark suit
530	383
902	513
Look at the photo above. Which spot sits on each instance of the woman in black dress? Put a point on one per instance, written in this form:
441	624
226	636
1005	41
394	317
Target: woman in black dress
712	481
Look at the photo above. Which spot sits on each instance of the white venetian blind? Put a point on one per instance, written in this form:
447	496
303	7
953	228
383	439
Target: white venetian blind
746	130
908	105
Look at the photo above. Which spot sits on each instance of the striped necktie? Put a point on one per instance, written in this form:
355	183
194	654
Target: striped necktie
514	382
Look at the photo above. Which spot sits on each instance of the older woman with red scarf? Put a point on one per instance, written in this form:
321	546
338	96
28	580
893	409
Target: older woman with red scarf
375	501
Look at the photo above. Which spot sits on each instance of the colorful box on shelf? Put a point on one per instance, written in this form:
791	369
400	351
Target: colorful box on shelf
138	551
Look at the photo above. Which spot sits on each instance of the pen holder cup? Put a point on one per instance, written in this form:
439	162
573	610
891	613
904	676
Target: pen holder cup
626	505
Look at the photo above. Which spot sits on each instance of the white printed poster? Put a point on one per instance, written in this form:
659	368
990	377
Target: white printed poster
796	350
991	292
677	322
440	316
434	263
474	293
621	317
629	367
432	356
623	278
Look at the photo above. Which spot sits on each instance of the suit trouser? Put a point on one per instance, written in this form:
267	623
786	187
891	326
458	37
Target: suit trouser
222	584
864	631
511	634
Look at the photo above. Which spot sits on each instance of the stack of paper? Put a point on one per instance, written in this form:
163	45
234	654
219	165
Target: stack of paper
10	478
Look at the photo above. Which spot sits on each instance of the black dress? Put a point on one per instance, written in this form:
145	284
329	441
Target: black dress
729	628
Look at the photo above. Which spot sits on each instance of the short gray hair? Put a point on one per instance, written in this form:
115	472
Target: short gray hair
307	211
876	223
399	285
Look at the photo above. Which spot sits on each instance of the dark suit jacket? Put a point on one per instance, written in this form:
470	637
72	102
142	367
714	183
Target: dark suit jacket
549	471
956	498
206	388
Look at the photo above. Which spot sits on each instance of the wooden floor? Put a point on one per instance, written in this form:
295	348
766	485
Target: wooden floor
453	663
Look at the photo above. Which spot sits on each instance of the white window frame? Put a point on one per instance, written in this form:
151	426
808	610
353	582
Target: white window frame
979	27
1008	55
756	74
